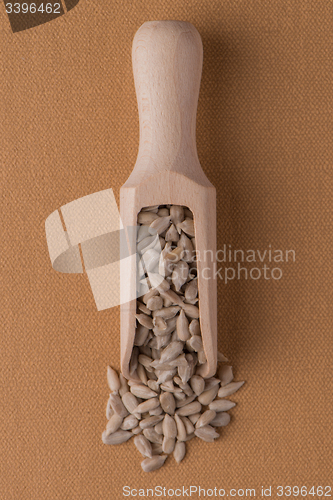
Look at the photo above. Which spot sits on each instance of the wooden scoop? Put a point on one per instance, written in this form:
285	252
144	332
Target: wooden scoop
167	65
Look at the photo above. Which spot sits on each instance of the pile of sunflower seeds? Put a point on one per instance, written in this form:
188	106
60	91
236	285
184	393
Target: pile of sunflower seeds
170	403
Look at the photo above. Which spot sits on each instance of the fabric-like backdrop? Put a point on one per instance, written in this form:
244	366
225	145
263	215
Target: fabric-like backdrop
68	128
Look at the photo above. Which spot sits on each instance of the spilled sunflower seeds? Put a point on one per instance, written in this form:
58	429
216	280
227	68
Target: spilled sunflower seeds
169	403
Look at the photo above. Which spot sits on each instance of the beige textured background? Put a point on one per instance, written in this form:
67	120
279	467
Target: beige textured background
69	127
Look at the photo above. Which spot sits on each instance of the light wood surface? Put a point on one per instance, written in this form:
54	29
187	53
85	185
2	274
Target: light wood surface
167	66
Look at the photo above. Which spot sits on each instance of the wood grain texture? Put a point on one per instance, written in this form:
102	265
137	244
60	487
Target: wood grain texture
167	66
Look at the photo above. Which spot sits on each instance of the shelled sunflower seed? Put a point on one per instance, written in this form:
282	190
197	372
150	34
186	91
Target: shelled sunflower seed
169	403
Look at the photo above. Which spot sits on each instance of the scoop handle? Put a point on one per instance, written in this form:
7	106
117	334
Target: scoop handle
167	65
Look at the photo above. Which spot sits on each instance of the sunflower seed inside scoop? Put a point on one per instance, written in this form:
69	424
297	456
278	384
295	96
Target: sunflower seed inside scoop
177	214
211	382
141	335
194	418
190	310
187	226
172	234
147	217
191	290
153	385
183	402
142	233
166	312
150	421
159	225
188	424
156	411
141	371
123	385
194	327
208	396
145	320
109	410
159	428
